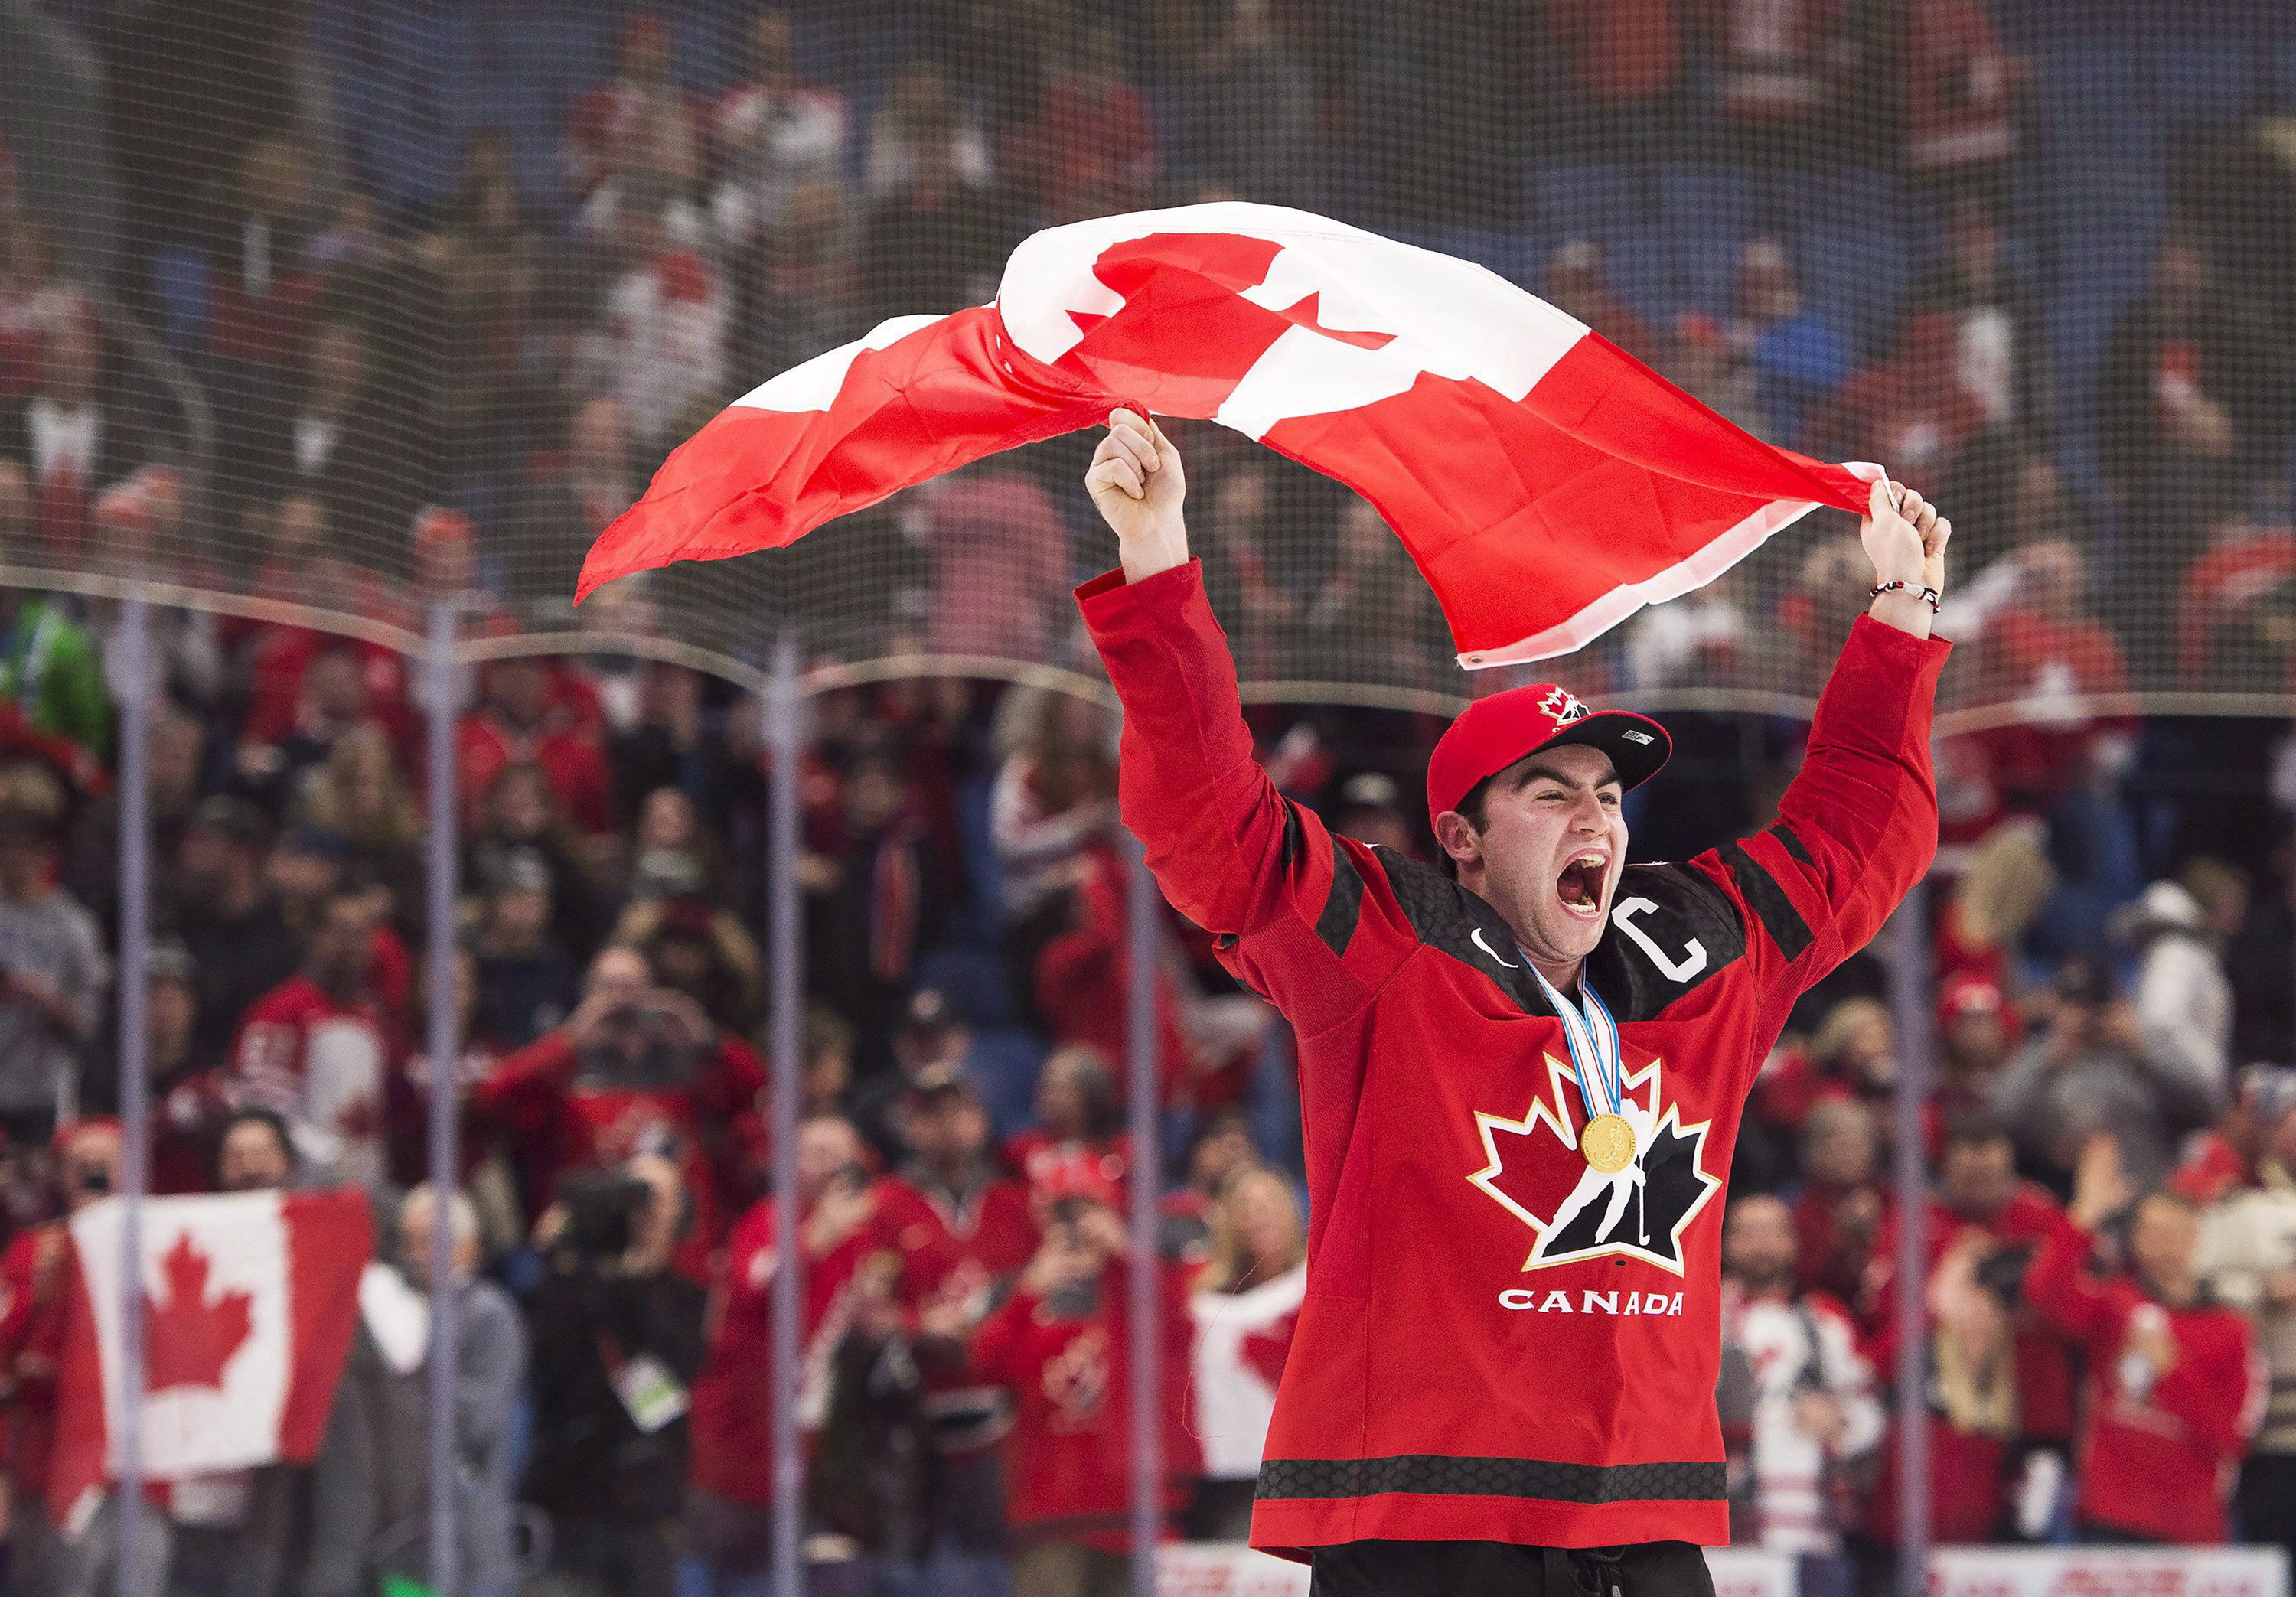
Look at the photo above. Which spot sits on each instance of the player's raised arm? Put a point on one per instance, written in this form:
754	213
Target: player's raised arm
1230	852
1858	827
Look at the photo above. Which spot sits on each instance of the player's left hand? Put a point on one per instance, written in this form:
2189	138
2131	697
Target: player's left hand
1905	541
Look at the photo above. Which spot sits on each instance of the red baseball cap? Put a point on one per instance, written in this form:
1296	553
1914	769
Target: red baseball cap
1494	732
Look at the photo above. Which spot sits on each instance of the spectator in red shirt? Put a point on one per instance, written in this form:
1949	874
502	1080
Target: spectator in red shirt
1843	1204
729	1505
964	1228
1061	1346
1959	95
1078	1111
636	1070
34	1271
318	1048
523	717
1091	149
2175	1386
1577	285
69	437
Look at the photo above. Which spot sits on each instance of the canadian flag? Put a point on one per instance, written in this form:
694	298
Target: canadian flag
249	1303
1547	484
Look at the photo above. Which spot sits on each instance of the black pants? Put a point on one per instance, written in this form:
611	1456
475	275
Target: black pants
2265	1501
1501	1569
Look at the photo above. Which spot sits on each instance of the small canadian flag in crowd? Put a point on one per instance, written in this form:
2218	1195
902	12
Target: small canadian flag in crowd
250	1301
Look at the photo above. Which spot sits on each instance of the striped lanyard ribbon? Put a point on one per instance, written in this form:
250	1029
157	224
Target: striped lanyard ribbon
1593	1037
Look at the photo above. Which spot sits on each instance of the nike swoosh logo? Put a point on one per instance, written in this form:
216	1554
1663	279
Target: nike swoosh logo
1476	938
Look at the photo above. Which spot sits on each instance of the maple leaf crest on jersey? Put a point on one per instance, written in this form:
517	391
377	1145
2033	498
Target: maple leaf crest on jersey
1575	1212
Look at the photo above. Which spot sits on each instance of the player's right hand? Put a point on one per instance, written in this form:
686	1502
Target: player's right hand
1136	484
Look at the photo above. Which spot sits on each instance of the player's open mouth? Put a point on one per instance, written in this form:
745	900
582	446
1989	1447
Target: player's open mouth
1580	885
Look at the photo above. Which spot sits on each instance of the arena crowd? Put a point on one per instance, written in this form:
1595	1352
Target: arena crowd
443	350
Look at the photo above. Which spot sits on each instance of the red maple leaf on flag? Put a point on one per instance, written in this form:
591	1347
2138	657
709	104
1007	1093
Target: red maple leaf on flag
188	1340
1265	1349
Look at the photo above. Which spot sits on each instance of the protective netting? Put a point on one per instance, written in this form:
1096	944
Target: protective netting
375	297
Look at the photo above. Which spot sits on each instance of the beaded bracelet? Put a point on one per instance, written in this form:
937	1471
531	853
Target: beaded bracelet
1932	594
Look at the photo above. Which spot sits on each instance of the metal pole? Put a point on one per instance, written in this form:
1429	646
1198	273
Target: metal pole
134	1065
1143	904
785	739
1911	991
443	1046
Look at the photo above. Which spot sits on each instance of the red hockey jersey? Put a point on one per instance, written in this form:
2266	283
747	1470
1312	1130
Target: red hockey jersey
322	1064
1496	1343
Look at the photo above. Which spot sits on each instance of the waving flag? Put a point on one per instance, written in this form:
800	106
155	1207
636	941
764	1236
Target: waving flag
250	1301
1547	484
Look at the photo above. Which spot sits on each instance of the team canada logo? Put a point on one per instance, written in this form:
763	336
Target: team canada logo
1538	1173
1564	706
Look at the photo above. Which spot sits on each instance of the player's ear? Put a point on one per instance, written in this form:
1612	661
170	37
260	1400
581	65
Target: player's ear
1458	837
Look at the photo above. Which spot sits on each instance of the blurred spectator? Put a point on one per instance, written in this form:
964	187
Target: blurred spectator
637	122
1370	810
68	440
1248	108
1814	1418
1578	284
523	717
50	669
703	952
729	1506
1061	1346
2194	405
931	1035
254	1152
828	1074
1912	406
1245	1306
1370	605
2233	604
618	1344
964	1228
526	984
41	1558
1987	1222
660	347
936	240
317	1048
678	743
1999	355
358	793
580	487
490	1373
636	1069
519	812
2183	998
2091	1070
252	289
173	758
52	975
2248	1262
1785	78
2232	1154
1054	798
1797	355
1977	1030
1000	562
182	1090
2174	1380
1838	1216
920	124
226	909
1077	1112
342	437
671	856
1852	1054
1970	1390
773	132
1960	98
35	303
873	904
1090	150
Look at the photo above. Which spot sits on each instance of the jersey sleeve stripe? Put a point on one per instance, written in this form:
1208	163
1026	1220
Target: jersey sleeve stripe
1792	844
1769	901
1336	926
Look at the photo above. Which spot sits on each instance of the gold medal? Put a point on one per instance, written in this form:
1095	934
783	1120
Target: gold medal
1608	1142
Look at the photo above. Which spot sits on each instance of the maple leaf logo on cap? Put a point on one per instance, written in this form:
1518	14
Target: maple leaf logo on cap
1564	706
191	1341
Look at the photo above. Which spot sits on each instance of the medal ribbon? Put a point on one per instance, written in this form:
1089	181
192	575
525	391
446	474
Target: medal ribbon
1593	1037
